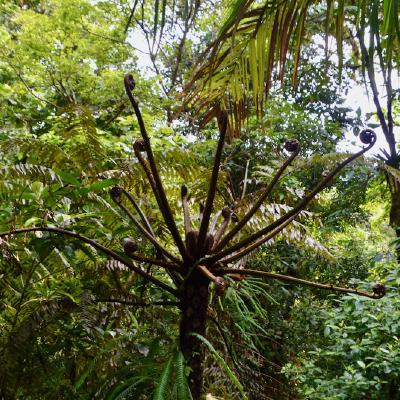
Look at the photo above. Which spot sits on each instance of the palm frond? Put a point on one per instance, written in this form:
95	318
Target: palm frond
257	40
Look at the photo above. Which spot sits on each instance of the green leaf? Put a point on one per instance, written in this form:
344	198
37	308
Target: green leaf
68	178
165	378
183	391
361	364
223	365
98	186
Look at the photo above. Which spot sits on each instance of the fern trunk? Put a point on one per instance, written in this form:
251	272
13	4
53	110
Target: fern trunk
194	302
395	215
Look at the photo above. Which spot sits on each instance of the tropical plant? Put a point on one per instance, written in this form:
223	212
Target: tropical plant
359	356
206	252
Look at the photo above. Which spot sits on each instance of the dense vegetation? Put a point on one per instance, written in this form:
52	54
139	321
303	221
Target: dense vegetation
80	323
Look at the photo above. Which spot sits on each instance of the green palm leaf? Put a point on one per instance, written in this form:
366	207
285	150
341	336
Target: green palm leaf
255	40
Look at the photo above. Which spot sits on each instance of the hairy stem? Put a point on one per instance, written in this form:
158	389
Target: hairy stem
186	212
161	197
139	211
298	281
213	182
148	235
241	253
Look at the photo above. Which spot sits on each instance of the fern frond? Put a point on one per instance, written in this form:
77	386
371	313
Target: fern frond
37	150
80	137
128	389
182	387
223	365
160	392
29	173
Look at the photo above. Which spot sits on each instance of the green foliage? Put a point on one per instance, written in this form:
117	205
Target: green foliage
182	388
258	39
161	390
66	138
223	365
175	365
360	354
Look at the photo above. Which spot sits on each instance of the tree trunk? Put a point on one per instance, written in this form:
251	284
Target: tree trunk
395	216
194	300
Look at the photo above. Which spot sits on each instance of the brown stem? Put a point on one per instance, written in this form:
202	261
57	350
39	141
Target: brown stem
298	281
221	230
208	274
258	203
185	207
160	196
389	93
147	171
201	212
147	234
168	266
223	125
97	246
130	16
214	222
240	254
294	211
139	211
245	180
375	94
161	263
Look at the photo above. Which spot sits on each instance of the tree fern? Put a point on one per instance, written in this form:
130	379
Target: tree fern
29	172
37	150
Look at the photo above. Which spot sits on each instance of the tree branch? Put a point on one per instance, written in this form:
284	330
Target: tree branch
97	246
128	23
298	281
375	94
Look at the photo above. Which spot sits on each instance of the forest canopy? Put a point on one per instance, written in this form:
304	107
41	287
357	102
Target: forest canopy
200	199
